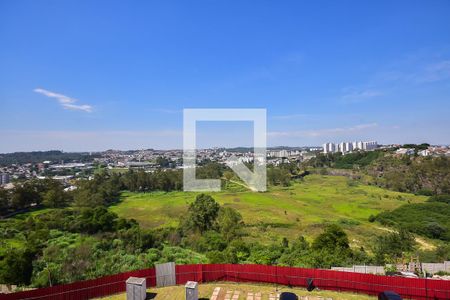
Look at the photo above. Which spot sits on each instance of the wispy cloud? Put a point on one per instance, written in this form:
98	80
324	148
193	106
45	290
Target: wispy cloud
435	72
166	111
323	132
289	117
415	72
355	96
65	101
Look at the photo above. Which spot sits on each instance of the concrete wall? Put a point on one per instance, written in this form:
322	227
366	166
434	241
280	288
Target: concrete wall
430	268
436	267
361	269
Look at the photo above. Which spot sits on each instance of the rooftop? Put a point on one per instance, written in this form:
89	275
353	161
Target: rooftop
245	292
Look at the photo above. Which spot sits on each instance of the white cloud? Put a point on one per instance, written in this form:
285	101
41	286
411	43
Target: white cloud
323	132
65	101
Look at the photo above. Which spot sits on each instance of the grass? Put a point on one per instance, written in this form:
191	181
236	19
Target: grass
301	209
206	290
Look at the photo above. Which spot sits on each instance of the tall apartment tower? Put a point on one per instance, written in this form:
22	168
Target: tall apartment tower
370	145
4	178
333	147
348	147
360	145
329	148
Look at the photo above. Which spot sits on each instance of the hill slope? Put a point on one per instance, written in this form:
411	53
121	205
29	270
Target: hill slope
302	208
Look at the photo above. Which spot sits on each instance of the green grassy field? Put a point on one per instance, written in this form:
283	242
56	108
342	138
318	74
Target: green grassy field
301	209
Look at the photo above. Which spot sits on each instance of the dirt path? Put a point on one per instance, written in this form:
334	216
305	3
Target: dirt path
423	244
241	184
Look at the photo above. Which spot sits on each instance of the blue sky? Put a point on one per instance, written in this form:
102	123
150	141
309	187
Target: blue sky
94	75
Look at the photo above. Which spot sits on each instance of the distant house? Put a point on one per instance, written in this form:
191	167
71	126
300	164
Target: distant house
405	151
425	152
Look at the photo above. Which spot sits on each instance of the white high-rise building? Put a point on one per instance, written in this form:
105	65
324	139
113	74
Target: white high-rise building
329	148
341	147
333	147
360	145
346	147
371	145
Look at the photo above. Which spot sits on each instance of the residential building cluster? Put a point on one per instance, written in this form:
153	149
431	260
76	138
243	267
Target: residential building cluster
150	160
282	155
347	147
430	151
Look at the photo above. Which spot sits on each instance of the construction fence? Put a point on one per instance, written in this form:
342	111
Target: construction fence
408	288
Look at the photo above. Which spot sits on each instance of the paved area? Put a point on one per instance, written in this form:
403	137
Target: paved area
229	294
274	296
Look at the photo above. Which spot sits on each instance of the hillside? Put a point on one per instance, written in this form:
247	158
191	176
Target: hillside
431	219
303	208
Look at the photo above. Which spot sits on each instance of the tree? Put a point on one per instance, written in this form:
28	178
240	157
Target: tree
202	213
162	162
445	198
85	198
230	222
4	201
331	248
265	255
55	197
298	254
390	247
24	196
228	175
97	219
435	230
332	238
210	241
278	176
16	267
210	170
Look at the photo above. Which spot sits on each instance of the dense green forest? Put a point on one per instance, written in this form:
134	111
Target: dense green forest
422	175
431	219
428	219
347	161
40	156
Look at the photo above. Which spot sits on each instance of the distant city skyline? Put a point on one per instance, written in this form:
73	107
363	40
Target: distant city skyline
92	76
